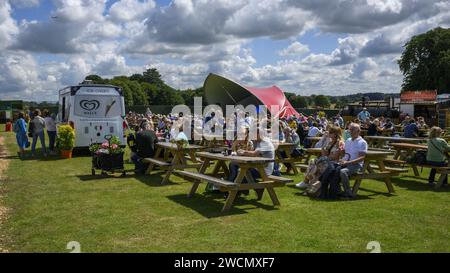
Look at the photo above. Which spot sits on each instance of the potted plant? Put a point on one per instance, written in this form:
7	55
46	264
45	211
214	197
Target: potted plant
107	156
66	140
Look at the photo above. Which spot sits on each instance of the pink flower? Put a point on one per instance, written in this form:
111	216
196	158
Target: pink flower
114	146
105	145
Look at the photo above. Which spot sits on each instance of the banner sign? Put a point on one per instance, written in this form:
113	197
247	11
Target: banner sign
418	96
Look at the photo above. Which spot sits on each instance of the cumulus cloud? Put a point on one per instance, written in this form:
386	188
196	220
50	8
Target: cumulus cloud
8	27
359	16
188	39
67	23
294	49
128	10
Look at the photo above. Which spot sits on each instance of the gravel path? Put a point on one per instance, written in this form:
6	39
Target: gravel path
3	210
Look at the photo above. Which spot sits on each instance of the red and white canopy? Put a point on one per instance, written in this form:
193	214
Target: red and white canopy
222	91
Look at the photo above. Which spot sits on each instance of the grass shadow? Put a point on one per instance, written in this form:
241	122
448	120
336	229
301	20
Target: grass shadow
88	177
210	205
153	180
316	199
415	185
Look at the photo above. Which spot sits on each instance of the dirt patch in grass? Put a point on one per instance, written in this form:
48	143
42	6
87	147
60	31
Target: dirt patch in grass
4	163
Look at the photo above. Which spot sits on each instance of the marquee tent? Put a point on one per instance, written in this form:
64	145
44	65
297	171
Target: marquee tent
222	91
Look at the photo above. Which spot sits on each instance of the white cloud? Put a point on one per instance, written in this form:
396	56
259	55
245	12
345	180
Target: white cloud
8	26
128	10
296	49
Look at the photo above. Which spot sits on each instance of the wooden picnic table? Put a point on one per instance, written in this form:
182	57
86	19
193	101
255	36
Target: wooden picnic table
179	160
373	168
409	149
233	187
213	141
314	140
287	149
379	141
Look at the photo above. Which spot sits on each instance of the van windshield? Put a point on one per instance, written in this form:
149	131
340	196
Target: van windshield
98	106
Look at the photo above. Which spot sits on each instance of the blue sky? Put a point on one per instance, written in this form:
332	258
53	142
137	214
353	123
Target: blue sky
303	46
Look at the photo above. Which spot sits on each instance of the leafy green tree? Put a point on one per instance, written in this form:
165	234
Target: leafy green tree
137	77
425	61
139	96
96	79
127	94
152	76
321	101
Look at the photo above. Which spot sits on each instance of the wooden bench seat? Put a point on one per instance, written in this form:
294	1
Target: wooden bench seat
302	167
394	161
280	179
206	178
392	169
156	162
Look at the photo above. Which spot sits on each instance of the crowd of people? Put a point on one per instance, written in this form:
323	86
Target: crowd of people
34	125
343	149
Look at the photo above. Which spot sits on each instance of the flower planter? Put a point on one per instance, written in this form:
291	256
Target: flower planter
66	154
107	162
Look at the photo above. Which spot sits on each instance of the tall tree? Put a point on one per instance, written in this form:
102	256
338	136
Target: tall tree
321	101
152	76
425	61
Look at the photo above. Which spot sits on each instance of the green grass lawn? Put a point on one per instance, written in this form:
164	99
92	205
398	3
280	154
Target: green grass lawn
56	201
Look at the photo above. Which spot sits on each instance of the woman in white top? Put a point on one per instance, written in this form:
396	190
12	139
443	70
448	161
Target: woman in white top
50	125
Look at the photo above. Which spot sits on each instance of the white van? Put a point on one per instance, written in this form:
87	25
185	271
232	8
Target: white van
94	111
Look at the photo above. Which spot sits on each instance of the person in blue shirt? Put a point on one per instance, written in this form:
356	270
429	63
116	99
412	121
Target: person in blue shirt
20	128
411	130
363	115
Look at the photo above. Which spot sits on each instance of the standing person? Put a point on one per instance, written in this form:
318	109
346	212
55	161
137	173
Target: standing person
20	128
340	121
363	115
50	125
38	132
355	151
436	153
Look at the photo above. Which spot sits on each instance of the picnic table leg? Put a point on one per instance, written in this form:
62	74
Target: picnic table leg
175	161
233	193
397	154
269	189
152	165
202	170
230	199
416	171
441	181
356	186
387	180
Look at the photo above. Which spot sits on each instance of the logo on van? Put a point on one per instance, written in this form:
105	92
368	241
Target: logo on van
90	105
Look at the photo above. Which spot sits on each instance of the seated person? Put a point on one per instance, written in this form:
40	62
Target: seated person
291	136
333	151
374	128
263	148
325	138
144	147
355	153
242	141
436	153
389	127
411	130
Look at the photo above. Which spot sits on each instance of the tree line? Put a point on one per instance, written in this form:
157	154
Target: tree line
149	88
